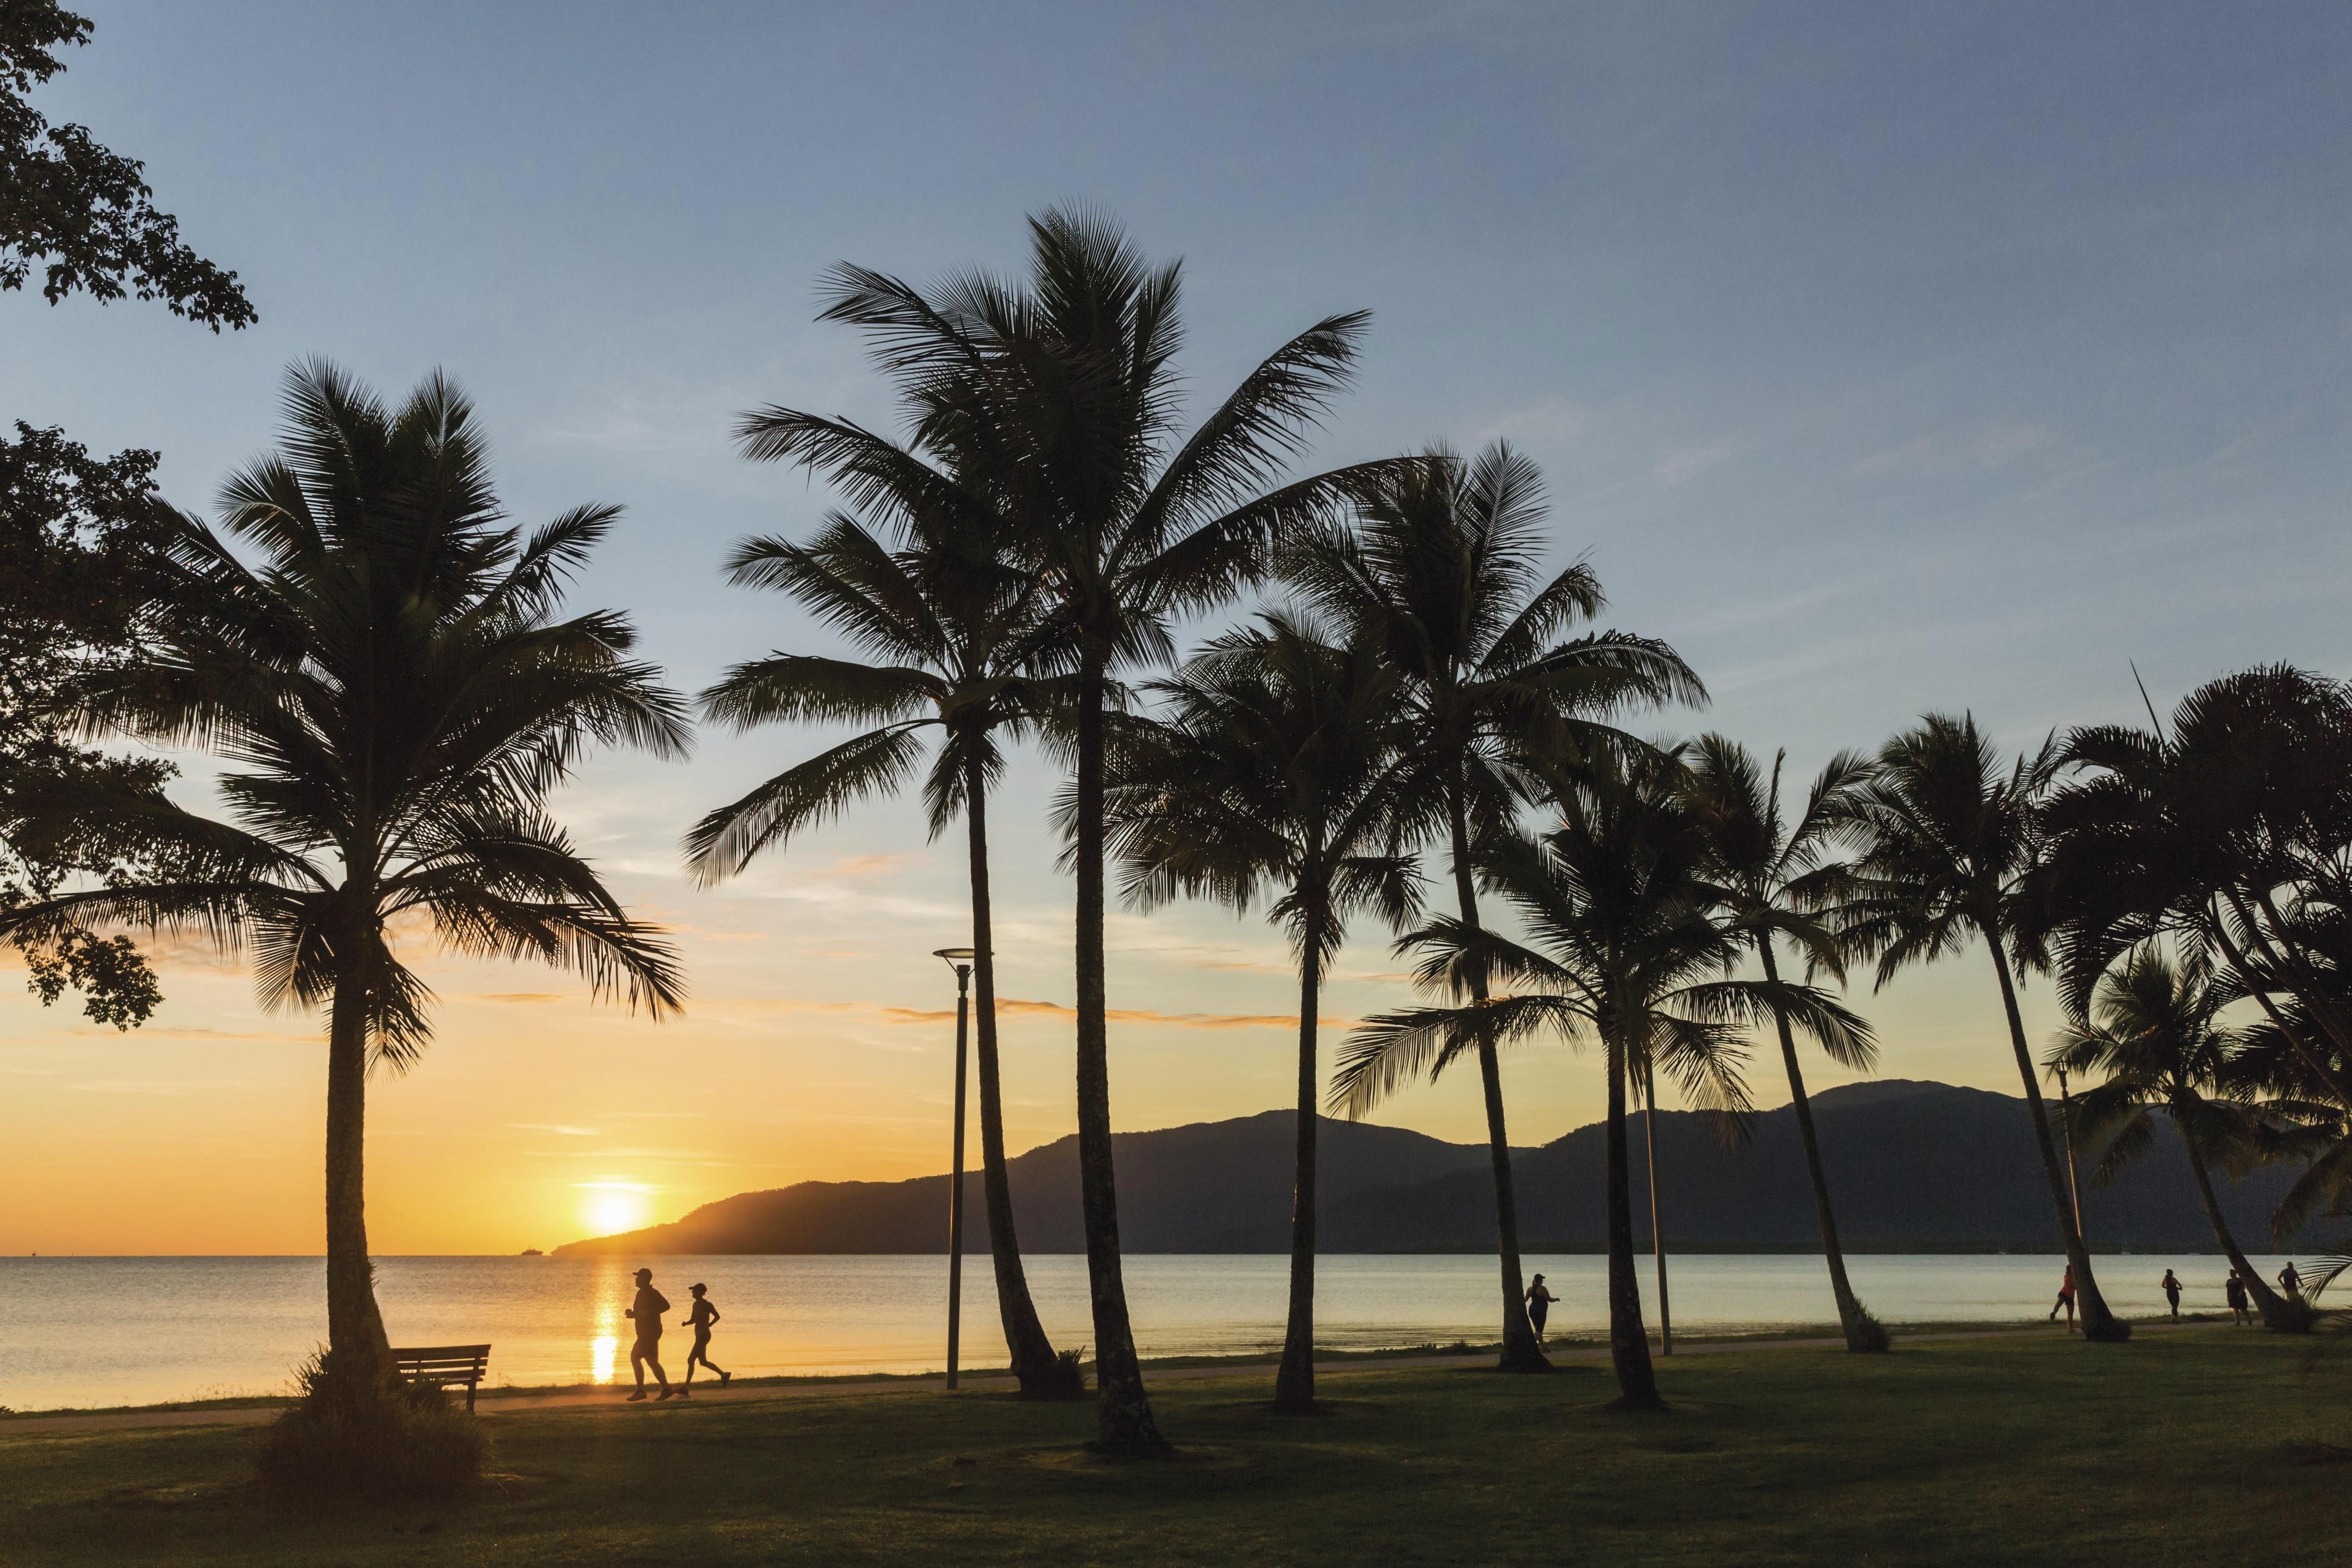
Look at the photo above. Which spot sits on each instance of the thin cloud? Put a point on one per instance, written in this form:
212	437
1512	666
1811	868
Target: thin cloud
557	1127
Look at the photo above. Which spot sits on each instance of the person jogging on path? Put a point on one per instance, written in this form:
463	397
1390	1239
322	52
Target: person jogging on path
2172	1291
1540	1303
2065	1299
700	1317
2234	1288
646	1314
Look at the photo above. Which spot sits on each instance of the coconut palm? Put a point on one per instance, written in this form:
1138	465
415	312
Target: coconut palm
2228	833
1775	879
948	622
1439	566
1626	947
1949	837
2156	1035
1056	401
1271	778
395	698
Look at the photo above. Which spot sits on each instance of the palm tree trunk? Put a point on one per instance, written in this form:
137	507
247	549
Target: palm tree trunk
1124	1409
2098	1324
354	1326
1629	1343
2278	1314
1521	1350
1657	1225
1025	1337
1860	1334
1293	1385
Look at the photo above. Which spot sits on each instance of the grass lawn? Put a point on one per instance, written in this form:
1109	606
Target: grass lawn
2198	1446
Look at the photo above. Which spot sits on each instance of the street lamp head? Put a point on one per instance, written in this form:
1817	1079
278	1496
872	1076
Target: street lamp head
956	956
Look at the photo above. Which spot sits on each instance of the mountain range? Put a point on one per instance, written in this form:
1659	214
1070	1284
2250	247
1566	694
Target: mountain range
1914	1167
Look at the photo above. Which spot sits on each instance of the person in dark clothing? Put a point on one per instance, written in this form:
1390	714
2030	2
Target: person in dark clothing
1539	1300
2234	1288
700	1317
646	1314
2172	1291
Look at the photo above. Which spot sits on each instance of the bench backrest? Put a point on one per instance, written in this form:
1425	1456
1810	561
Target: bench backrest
426	1360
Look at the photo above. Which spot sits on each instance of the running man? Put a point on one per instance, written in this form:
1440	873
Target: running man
2172	1291
646	1314
2065	1299
2234	1288
1539	1300
700	1317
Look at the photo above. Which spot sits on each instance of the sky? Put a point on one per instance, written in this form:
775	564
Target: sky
1883	359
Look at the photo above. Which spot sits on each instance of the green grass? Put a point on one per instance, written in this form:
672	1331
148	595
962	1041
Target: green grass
2199	1446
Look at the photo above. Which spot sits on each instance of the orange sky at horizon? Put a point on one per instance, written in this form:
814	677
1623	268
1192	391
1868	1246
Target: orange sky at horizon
538	1117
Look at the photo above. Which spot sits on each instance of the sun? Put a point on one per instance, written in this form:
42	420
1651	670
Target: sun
610	1207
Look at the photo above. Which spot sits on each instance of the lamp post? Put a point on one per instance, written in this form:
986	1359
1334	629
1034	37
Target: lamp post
960	960
1657	1241
2066	1124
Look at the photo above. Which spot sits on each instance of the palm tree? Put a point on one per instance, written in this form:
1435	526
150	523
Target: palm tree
2158	1039
947	620
1057	403
1441	569
1271	777
1626	947
1948	841
396	699
1775	879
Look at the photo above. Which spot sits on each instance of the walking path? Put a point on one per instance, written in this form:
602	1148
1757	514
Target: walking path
506	1401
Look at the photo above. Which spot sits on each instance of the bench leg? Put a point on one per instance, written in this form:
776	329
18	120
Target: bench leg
470	1399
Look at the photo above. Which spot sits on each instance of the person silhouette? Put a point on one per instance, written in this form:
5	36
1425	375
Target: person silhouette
700	1317
2290	1280
2234	1291
1540	1303
2065	1299
2172	1291
646	1314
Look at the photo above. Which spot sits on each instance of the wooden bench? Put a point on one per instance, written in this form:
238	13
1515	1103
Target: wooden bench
445	1366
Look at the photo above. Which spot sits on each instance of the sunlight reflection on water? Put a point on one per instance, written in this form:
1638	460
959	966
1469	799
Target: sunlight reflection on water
601	1357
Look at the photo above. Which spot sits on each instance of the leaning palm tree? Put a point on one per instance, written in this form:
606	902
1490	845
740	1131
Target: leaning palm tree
1057	403
395	698
948	621
2156	1035
1775	879
1439	568
1272	777
1949	839
1626	947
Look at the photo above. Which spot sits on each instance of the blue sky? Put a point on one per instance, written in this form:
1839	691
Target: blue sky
1881	358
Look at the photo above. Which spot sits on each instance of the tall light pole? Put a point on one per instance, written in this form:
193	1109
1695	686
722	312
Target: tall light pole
1657	1240
960	960
2066	1122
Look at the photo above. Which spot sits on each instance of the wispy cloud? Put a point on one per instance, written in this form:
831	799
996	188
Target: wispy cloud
557	1127
1996	445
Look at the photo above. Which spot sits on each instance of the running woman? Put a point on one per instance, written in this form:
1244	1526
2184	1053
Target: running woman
1539	1300
699	1318
2172	1291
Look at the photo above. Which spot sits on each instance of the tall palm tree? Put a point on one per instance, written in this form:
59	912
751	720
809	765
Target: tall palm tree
2156	1034
395	698
1057	402
1626	947
950	622
1441	568
1775	879
1949	837
1271	778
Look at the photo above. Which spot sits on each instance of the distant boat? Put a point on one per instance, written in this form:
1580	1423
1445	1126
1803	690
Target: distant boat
532	1252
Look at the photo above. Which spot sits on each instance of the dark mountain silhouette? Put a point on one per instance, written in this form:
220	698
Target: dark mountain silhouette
1915	1167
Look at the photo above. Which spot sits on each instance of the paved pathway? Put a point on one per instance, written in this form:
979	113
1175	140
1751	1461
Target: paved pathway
505	1401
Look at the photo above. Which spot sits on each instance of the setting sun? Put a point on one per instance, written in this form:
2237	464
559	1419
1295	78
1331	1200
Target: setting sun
609	1206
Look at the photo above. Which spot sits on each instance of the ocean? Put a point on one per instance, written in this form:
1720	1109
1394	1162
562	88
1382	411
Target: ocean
81	1331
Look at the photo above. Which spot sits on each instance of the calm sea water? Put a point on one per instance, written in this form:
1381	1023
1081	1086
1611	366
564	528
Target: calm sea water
115	1330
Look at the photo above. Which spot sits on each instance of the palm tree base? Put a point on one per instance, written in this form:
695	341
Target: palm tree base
1527	1360
2281	1316
2114	1331
1866	1335
1628	1405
